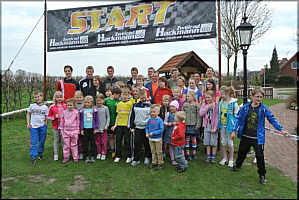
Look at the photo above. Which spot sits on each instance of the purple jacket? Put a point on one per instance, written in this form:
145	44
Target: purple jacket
95	119
203	113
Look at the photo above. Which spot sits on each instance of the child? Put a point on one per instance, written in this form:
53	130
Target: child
154	129
123	110
88	126
69	125
108	93
98	86
193	122
135	95
251	124
228	109
37	122
181	84
79	99
54	112
140	85
169	124
139	115
161	91
177	96
163	110
209	112
211	85
178	141
192	87
101	132
111	103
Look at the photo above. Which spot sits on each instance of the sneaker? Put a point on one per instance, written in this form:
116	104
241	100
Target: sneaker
103	157
173	162
164	155
146	160
116	160
33	161
230	163
263	180
254	161
222	162
180	170
134	163
235	169
152	166
158	167
55	157
65	161
194	157
113	155
92	159
99	156
87	159
81	156
40	157
213	160
128	160
207	160
188	157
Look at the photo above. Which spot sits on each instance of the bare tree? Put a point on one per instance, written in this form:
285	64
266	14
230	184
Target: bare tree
231	15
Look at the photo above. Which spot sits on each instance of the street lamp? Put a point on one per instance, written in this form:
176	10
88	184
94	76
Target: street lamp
245	34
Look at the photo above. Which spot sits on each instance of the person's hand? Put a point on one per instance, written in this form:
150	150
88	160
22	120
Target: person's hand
147	135
283	132
106	128
82	132
150	134
94	132
232	135
57	116
133	131
113	127
28	125
169	124
213	131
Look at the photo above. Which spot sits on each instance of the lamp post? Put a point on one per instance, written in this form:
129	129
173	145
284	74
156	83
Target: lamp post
245	34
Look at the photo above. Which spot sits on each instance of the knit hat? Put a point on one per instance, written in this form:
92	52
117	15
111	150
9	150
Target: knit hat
175	104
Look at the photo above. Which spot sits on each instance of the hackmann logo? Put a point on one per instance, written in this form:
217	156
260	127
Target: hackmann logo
69	41
123	36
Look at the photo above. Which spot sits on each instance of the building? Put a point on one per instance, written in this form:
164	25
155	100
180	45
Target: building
289	67
187	63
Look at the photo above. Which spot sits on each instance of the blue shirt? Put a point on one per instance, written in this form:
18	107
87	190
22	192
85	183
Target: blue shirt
88	117
154	126
198	93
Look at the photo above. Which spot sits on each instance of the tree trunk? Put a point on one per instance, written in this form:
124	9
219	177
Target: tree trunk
235	64
227	74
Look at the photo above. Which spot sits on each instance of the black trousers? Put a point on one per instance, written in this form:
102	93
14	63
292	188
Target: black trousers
123	132
244	148
141	139
89	144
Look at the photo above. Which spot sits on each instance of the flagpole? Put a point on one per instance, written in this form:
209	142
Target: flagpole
45	51
219	42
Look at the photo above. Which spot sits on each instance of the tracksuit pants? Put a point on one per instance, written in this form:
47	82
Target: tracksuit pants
70	143
58	140
89	144
123	131
141	139
37	141
101	142
244	148
179	157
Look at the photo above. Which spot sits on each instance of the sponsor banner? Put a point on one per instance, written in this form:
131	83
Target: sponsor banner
130	24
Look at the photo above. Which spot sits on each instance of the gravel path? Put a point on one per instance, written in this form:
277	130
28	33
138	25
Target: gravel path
282	152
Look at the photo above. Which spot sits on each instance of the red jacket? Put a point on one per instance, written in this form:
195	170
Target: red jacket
158	97
53	110
178	134
67	87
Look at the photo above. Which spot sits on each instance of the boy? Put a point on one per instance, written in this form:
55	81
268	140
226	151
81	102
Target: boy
140	113
37	122
123	110
135	95
140	85
178	141
86	83
111	103
154	129
251	124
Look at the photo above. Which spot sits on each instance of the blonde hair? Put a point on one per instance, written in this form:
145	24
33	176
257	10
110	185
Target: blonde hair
125	90
166	97
38	92
140	77
78	92
57	93
181	115
120	84
71	100
192	93
228	90
257	90
182	78
210	93
88	98
155	106
100	96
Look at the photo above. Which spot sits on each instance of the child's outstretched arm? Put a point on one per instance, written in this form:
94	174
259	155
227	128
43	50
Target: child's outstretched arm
270	117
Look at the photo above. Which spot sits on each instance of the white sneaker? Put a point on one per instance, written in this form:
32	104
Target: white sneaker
128	160
230	163
146	161
116	159
99	156
222	162
134	163
254	161
103	157
55	157
81	156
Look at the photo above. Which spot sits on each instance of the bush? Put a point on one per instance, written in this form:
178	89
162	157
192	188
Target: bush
285	81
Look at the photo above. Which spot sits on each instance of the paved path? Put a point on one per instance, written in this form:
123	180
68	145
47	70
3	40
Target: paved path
282	152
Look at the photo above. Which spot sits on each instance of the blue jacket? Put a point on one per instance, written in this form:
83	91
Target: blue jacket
263	112
232	111
154	126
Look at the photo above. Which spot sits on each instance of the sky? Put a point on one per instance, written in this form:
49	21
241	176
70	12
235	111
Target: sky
19	18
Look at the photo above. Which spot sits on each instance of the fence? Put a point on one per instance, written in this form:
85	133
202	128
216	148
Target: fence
268	92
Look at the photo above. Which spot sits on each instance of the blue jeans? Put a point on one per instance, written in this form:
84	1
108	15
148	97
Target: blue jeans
37	140
180	159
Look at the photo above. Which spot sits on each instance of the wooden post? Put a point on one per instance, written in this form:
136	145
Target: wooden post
219	42
45	51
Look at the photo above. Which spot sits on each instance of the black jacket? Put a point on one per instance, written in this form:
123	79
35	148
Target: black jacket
87	87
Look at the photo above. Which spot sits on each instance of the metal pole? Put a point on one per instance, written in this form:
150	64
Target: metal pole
45	51
219	42
264	76
245	76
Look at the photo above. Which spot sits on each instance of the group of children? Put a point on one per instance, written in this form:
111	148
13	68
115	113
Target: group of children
87	128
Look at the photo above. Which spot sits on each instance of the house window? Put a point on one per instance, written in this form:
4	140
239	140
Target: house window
294	65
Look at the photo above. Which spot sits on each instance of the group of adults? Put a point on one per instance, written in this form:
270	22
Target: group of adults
68	85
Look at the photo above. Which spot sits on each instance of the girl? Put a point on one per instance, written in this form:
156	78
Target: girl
211	85
101	135
161	91
177	96
163	110
97	82
69	124
193	123
228	109
169	124
79	99
135	95
209	112
88	125
108	93
54	112
192	87
181	84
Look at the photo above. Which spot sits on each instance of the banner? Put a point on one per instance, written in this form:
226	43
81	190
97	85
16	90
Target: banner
130	24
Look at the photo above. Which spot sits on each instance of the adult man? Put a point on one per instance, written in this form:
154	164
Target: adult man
196	77
133	79
110	80
86	84
174	78
210	75
153	85
150	71
68	85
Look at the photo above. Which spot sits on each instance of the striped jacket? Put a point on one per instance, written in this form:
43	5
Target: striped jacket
139	115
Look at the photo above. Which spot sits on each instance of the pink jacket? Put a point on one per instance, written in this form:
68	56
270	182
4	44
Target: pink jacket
69	121
203	113
53	110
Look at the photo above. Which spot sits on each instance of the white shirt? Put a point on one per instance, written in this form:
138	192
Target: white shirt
38	115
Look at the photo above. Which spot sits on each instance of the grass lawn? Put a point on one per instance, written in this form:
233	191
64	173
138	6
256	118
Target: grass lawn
104	179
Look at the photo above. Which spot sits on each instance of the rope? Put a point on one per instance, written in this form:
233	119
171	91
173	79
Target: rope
274	132
25	42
